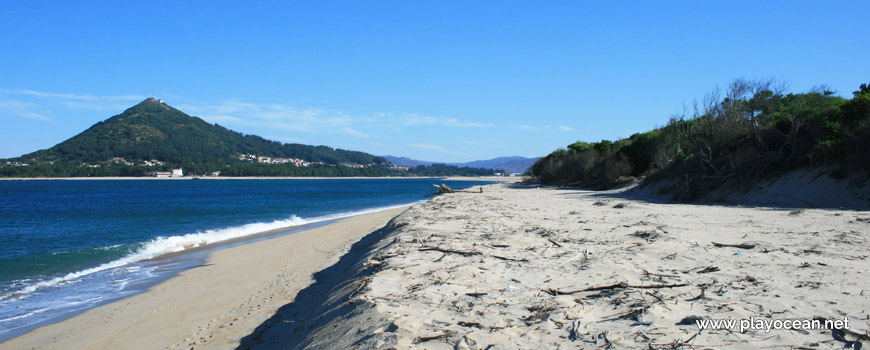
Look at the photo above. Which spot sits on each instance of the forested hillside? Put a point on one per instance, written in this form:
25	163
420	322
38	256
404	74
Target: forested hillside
153	136
754	131
155	130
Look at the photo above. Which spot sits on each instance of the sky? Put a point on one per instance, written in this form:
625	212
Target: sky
445	81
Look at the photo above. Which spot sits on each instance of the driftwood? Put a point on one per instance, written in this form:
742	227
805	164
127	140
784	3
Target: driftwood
741	245
709	269
620	285
441	189
466	253
470	324
447	250
508	259
700	295
431	337
635	312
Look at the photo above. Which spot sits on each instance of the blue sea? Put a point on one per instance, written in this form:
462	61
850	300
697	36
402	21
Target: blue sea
70	245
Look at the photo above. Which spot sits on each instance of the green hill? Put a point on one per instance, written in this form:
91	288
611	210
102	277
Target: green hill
152	136
155	130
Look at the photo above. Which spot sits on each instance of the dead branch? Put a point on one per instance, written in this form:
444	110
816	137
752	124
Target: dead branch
470	324
620	285
508	259
453	251
635	312
430	337
709	269
741	245
647	273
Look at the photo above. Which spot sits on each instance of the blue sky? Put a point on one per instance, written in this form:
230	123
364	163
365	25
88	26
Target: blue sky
431	80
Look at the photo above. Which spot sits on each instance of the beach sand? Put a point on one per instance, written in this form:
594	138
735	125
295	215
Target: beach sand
521	267
513	267
214	305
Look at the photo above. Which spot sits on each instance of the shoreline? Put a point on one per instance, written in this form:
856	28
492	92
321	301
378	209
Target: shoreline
446	178
234	276
165	267
514	266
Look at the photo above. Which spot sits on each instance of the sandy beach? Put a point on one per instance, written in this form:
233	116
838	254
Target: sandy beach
514	267
214	305
521	267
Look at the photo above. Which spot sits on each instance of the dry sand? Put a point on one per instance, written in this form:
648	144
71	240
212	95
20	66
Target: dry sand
214	305
521	267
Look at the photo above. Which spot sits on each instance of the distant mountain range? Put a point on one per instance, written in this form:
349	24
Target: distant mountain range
514	164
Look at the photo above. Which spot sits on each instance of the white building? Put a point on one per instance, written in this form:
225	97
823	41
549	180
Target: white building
177	172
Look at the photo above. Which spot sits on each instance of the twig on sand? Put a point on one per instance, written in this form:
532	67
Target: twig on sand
620	285
419	239
709	269
454	251
508	259
677	343
470	324
741	245
430	337
700	295
647	273
633	312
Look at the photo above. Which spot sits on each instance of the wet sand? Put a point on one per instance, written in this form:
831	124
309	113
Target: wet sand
213	305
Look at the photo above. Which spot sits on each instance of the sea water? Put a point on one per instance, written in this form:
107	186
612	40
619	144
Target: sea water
70	245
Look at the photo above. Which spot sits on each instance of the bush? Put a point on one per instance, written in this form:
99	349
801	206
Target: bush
753	132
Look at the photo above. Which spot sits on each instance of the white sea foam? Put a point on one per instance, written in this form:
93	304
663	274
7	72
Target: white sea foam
25	315
173	244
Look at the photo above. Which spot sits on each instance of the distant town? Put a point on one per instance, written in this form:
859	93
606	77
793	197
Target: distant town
253	158
179	172
115	160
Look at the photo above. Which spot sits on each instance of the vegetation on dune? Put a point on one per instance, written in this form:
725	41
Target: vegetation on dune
754	131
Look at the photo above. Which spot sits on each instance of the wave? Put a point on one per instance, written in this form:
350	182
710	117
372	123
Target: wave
173	244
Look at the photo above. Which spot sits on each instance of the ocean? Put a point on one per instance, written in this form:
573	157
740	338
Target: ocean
70	245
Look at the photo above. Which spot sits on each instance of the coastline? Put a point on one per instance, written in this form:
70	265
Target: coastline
450	178
514	266
217	303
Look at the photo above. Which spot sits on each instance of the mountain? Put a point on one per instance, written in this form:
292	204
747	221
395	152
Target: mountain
405	161
154	130
509	164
